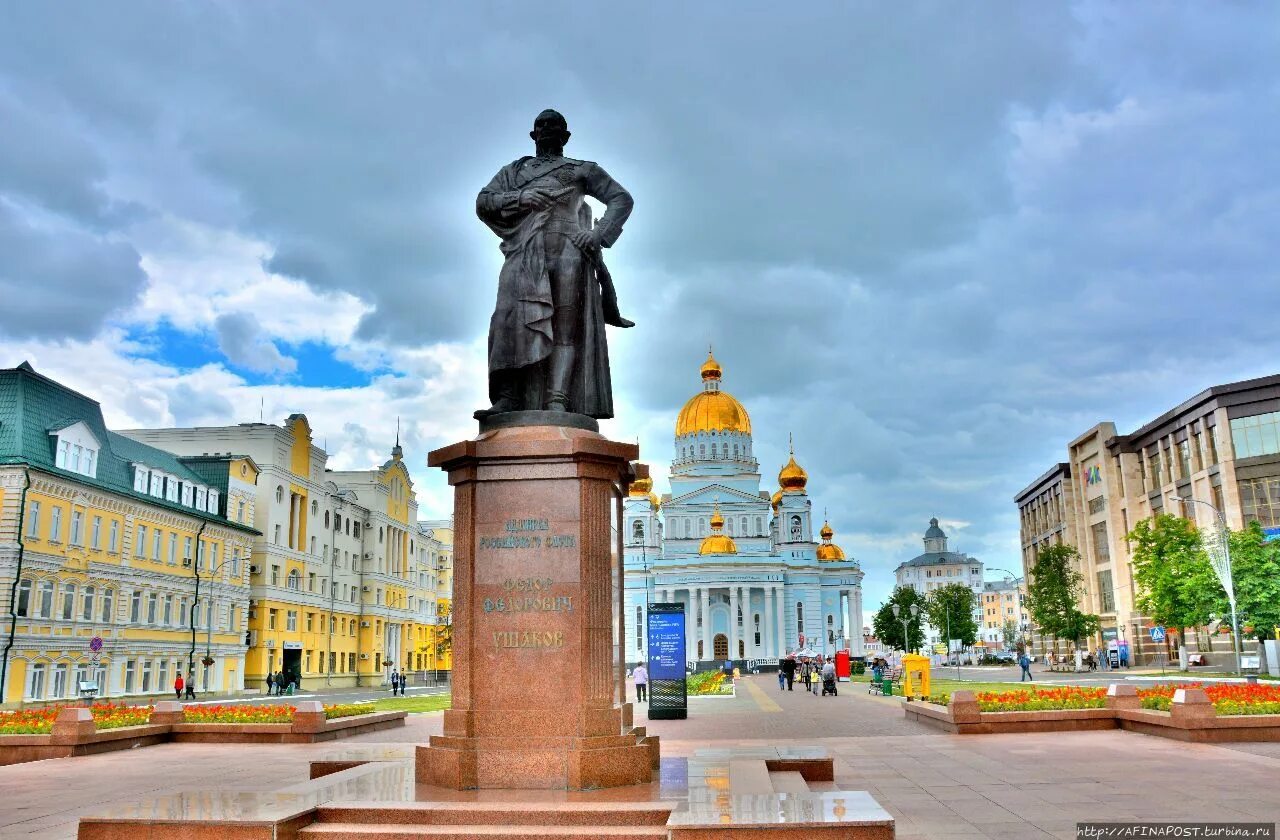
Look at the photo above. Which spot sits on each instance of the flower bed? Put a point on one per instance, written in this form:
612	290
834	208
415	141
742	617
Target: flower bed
1035	700
238	713
341	710
1227	698
40	721
708	682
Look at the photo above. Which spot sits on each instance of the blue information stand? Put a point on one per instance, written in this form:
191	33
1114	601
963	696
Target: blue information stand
668	697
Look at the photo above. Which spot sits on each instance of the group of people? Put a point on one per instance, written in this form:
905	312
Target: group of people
812	673
188	685
398	682
278	684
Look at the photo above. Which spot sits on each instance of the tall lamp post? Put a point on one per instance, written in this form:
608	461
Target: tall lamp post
1217	544
644	562
914	611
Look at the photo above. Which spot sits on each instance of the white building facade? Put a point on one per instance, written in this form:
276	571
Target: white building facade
938	567
755	582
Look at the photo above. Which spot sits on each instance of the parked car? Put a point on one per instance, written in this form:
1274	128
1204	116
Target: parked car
1005	656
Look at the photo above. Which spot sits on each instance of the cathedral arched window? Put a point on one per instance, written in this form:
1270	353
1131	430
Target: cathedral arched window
637	531
702	527
799	618
735	450
744	526
795	529
713	450
702	450
687	529
729	526
759	525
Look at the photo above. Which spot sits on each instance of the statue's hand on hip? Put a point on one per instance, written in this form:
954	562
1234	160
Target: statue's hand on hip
587	240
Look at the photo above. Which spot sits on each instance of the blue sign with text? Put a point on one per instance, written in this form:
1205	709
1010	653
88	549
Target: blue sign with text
668	693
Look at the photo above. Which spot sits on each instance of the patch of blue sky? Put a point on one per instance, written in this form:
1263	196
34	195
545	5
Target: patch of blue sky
317	365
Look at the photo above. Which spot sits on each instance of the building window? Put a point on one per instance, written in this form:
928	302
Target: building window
86	613
1101	547
152	600
291	620
168	610
276	538
1256	435
1106	594
108	605
293	579
55	524
135	606
279	495
795	529
187	544
157	545
140	479
24	598
130	668
1097	504
146	676
33	520
271	619
77	527
68	601
157	485
799	618
35	683
1184	457
1259	500
44	600
114	542
140	541
95	534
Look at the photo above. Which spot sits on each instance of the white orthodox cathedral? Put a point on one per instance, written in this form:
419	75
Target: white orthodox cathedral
755	583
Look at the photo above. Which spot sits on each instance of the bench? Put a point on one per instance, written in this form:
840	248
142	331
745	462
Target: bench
1197	659
895	678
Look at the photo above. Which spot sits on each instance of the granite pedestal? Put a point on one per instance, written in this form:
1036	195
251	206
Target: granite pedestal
538	682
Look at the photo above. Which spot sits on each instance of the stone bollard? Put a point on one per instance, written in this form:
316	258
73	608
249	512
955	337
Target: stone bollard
74	725
168	712
1191	708
964	707
308	717
1123	697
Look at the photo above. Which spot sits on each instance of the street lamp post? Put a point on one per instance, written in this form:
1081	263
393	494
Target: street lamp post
914	610
1218	547
644	562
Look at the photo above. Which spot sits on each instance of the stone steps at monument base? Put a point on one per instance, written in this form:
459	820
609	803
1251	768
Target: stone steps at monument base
391	831
514	813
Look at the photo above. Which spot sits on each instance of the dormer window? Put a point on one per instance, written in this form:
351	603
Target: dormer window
188	497
213	502
76	450
140	478
157	485
202	498
171	489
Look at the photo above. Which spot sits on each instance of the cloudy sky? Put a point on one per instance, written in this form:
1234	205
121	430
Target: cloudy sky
933	241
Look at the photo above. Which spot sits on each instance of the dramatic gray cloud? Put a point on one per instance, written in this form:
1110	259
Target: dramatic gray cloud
932	242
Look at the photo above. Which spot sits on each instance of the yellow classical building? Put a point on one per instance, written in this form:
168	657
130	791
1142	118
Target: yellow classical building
121	565
339	593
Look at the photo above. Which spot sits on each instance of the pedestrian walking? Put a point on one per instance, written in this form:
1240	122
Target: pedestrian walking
395	682
641	675
782	680
177	686
270	683
191	685
1025	662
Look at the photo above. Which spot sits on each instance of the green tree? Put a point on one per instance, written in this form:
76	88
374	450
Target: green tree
950	609
1053	593
1009	633
1175	583
1255	573
889	628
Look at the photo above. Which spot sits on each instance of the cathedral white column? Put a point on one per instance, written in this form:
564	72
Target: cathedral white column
733	622
766	624
779	618
708	652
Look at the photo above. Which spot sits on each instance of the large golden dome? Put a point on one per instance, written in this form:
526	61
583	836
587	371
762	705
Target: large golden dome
641	487
828	552
712	410
716	542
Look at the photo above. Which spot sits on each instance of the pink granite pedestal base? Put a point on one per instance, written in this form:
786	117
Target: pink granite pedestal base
538	683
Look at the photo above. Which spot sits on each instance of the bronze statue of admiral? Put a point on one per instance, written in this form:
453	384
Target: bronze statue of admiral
547	347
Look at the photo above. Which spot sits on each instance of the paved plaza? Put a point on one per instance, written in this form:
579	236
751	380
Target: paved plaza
935	785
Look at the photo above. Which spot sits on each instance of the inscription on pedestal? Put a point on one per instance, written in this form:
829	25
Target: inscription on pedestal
532	595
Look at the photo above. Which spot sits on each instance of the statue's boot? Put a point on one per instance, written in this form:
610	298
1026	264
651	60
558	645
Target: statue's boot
505	390
561	375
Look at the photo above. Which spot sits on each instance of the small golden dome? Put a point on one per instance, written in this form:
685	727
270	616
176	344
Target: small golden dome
641	487
710	368
653	500
792	478
776	500
716	542
829	552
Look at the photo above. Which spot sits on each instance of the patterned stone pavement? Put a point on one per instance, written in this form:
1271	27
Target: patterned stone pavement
936	785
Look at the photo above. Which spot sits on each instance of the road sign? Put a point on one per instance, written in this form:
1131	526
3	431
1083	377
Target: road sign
1157	634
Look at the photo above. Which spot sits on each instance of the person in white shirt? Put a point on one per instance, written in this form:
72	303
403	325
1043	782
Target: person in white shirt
641	675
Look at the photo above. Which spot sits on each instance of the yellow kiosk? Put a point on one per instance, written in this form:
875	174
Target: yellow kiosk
915	675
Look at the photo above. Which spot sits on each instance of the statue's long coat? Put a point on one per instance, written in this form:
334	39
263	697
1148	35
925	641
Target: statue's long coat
520	333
